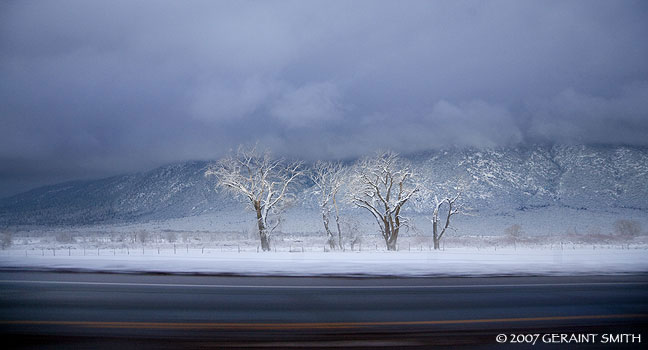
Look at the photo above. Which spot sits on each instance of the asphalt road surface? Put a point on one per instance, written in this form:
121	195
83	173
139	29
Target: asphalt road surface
46	310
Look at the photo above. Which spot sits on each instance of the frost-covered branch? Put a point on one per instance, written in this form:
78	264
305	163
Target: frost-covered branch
443	208
382	185
328	178
262	180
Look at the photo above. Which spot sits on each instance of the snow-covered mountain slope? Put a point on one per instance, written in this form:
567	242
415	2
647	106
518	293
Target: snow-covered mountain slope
169	191
587	177
496	181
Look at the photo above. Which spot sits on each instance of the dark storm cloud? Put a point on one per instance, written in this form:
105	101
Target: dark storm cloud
92	88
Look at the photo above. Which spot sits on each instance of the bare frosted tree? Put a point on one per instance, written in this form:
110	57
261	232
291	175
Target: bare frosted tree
143	236
514	231
444	209
6	239
382	185
328	178
627	228
260	180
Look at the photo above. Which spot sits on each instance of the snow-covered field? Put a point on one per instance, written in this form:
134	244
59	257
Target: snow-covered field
195	247
451	262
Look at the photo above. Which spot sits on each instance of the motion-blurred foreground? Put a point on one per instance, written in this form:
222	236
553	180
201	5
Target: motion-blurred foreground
151	312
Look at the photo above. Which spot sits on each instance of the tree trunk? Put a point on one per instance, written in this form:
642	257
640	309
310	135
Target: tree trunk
263	235
391	239
329	234
337	223
435	236
394	239
339	231
265	241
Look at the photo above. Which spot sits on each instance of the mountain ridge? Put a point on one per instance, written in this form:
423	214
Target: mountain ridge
502	179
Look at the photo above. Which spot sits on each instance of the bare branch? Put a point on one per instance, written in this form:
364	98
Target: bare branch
451	202
383	185
262	180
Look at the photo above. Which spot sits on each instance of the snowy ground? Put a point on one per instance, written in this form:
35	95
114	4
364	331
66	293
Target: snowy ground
197	247
451	262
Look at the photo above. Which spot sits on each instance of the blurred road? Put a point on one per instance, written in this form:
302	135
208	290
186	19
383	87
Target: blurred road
95	311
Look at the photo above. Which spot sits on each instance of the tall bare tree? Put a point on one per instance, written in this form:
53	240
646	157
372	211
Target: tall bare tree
328	178
382	185
444	209
260	180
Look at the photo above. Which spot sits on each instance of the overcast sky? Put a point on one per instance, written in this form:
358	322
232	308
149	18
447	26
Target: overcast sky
97	88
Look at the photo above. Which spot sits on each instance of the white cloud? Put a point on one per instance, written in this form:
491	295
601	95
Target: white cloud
220	101
474	123
308	105
572	116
